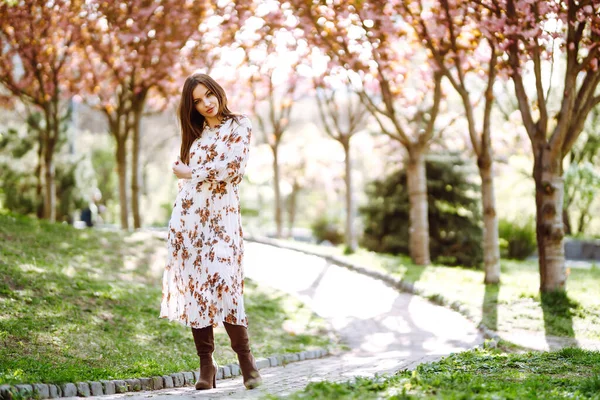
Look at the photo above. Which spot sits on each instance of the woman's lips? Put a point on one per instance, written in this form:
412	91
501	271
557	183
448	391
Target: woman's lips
210	110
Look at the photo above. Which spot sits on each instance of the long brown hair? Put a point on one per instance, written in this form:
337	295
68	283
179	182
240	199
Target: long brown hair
191	121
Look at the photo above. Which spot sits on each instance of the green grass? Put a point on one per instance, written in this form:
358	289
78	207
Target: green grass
78	305
513	305
479	374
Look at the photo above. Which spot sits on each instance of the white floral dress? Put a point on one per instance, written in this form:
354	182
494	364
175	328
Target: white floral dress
203	281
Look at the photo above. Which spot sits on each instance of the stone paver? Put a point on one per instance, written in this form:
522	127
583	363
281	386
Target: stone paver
386	330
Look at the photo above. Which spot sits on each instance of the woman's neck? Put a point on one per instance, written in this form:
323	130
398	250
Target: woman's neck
213	121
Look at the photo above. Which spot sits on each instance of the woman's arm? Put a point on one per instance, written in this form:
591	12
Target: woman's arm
230	164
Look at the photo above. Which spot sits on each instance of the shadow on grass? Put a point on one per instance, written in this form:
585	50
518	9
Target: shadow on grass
558	311
402	266
267	313
489	307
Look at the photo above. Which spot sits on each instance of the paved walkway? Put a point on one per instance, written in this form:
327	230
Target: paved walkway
386	330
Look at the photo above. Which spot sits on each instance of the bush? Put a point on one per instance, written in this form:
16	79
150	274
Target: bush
454	214
517	240
324	229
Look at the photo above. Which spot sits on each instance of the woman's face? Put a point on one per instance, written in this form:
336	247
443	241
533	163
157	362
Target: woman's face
205	101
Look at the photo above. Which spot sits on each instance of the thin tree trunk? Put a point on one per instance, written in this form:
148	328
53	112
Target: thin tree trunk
135	168
582	222
50	136
549	191
278	208
567	221
417	193
49	185
292	208
122	172
491	247
39	173
350	240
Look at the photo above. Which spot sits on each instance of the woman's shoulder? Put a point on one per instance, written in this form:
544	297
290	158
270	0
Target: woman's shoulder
243	119
239	120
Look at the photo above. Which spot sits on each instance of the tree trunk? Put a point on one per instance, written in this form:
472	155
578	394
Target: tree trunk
122	172
278	208
292	208
39	173
350	238
135	168
549	191
567	221
49	185
491	248
583	219
50	136
417	193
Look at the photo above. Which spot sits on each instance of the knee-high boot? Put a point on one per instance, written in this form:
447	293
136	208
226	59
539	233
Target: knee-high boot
205	345
238	335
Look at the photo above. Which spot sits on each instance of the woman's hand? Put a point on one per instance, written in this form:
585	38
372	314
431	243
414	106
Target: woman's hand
181	170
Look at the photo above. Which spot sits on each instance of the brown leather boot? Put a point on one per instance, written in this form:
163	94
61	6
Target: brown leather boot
205	345
238	335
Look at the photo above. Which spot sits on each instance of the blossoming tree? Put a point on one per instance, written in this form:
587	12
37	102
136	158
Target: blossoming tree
396	82
531	32
37	41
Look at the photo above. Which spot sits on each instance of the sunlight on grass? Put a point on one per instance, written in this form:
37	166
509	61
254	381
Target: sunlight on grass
73	312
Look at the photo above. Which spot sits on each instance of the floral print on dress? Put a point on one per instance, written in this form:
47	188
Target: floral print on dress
203	281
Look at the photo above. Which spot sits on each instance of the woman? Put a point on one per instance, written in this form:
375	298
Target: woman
203	282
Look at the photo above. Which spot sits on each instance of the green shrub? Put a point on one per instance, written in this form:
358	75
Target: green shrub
517	239
325	229
454	214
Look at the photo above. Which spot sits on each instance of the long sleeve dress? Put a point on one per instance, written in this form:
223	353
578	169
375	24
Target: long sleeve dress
203	281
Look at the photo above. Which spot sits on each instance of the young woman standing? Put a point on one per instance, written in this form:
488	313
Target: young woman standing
203	282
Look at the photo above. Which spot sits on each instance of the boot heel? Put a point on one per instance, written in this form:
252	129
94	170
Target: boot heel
215	381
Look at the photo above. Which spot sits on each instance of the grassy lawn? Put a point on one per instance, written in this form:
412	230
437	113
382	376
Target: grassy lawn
479	374
78	305
514	305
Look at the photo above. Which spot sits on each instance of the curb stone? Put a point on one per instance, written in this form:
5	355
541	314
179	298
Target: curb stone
54	391
178	380
235	369
106	387
157	383
68	390
83	389
24	390
145	384
390	280
120	386
133	385
226	371
263	363
96	388
188	378
41	390
168	381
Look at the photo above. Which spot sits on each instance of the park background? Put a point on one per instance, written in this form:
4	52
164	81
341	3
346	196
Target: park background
370	90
